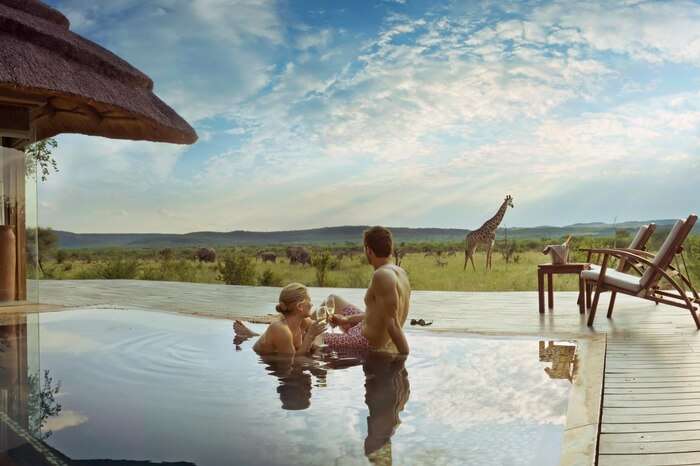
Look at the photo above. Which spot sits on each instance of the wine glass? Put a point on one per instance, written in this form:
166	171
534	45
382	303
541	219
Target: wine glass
321	317
330	310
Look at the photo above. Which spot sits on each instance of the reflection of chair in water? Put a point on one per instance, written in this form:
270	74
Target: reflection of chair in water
294	380
386	393
562	358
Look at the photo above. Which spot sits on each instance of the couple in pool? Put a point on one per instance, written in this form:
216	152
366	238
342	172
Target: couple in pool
378	328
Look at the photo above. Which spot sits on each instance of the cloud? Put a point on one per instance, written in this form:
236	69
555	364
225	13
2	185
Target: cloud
204	55
64	420
649	31
428	119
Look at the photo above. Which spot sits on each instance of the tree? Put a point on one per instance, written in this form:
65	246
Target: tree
42	403
48	242
323	262
237	269
39	155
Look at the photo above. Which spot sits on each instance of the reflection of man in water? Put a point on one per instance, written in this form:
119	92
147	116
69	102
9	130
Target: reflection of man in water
294	380
386	393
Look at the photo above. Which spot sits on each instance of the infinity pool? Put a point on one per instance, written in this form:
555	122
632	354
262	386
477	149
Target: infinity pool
146	386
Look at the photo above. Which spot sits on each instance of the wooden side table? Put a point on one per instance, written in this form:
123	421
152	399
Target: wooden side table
554	269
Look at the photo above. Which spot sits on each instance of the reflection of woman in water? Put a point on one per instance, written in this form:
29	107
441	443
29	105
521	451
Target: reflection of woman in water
294	380
386	393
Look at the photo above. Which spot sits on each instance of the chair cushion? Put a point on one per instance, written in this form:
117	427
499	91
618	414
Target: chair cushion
638	237
661	259
615	278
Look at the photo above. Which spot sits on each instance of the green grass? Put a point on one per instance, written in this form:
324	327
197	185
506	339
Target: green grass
425	273
350	272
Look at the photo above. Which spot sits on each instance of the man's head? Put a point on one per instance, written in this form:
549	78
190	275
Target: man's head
378	242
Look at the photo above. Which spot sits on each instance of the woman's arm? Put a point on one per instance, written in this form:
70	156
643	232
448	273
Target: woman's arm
314	330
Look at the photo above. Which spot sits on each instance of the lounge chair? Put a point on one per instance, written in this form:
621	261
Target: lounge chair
656	268
638	243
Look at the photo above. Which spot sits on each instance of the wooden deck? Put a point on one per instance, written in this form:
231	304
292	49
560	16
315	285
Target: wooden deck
651	401
651	391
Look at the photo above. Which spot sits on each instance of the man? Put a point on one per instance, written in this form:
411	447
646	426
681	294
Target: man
386	301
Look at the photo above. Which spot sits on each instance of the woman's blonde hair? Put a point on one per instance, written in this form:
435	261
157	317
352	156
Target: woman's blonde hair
290	295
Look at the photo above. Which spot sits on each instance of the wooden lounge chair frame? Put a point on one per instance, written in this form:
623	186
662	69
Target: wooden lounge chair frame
677	296
641	246
624	265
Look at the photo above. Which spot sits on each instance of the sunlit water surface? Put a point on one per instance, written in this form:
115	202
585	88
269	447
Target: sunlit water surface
137	385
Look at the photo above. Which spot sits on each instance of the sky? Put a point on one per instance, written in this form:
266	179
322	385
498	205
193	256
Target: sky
400	113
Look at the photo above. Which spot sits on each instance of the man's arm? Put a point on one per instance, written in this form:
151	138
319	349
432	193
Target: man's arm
397	336
387	296
347	320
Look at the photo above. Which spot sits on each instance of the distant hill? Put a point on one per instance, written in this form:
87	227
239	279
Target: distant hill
329	235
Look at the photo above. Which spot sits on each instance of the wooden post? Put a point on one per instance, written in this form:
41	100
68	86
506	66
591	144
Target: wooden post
13	173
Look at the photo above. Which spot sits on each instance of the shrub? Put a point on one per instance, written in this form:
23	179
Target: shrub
357	279
61	255
322	262
89	273
171	271
237	269
692	255
166	254
269	278
118	269
205	255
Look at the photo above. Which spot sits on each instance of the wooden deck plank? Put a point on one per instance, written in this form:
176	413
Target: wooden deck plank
648	378
650	391
607	403
612	410
651	396
665	459
648	427
651	437
613	418
629	448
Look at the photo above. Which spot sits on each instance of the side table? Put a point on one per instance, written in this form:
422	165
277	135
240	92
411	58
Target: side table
554	269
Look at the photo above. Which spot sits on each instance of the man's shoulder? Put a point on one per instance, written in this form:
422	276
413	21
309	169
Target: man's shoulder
385	274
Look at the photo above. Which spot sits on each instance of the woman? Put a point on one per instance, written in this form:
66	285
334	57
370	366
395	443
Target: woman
294	333
294	324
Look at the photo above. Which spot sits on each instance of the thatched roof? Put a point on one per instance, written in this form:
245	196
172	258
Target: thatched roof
76	85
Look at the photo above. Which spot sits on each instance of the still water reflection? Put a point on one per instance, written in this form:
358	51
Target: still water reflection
143	387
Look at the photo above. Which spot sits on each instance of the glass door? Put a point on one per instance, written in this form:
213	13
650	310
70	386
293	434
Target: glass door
19	254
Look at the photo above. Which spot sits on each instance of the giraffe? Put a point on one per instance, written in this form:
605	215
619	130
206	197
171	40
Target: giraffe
485	235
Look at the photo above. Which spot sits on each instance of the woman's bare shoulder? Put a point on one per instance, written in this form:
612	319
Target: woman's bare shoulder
278	327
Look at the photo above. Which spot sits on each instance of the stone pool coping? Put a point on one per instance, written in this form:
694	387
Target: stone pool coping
580	445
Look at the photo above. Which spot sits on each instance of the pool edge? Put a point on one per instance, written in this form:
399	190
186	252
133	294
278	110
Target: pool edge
580	444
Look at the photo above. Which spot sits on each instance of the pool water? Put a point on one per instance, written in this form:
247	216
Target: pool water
147	386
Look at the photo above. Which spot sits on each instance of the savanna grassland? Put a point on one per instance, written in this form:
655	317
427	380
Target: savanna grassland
431	266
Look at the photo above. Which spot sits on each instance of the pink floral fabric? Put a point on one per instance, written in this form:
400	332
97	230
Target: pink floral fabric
352	339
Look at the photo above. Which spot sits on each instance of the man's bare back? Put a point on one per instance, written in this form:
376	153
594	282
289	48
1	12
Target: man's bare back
387	301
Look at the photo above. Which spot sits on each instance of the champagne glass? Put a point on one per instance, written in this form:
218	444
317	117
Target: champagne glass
330	310
321	317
